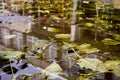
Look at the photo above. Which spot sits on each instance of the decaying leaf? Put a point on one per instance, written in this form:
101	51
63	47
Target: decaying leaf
109	41
54	67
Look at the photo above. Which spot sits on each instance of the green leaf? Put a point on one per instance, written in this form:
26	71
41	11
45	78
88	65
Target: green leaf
62	36
116	70
11	54
80	12
85	45
92	63
116	36
55	17
86	48
109	41
89	24
53	29
114	66
53	67
111	64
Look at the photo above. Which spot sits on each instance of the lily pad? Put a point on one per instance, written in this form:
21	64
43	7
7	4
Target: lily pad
63	36
109	41
54	67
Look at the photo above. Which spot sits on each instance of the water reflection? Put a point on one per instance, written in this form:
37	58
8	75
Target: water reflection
28	70
18	42
22	39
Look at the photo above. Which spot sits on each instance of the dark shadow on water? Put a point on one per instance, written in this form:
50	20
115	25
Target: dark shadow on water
8	70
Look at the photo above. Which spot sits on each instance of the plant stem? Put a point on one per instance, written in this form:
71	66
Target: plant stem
11	64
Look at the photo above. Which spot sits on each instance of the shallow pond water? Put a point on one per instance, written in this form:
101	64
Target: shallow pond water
29	69
78	36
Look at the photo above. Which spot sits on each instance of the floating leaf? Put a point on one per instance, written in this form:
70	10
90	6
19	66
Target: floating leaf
62	36
11	54
86	48
85	45
116	70
111	64
116	36
55	17
9	36
54	67
80	12
114	66
89	24
53	29
90	50
38	44
109	41
92	63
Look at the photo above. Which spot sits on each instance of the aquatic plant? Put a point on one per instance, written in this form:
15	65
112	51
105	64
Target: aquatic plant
109	41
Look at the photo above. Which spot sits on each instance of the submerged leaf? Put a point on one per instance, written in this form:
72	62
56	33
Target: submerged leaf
109	41
62	36
54	67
